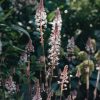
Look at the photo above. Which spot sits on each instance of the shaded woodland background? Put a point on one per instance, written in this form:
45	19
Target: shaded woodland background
80	19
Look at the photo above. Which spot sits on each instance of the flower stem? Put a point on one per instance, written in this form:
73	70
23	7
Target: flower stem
97	83
42	44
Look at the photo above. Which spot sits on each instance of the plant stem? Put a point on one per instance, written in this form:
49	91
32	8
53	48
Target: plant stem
42	44
3	90
61	97
87	86
29	82
87	78
97	83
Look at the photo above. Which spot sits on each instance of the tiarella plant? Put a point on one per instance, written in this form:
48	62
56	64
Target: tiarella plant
37	95
55	41
29	48
41	23
10	86
90	48
41	19
64	79
71	49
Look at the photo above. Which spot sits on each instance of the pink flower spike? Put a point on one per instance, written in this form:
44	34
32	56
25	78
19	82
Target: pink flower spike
29	46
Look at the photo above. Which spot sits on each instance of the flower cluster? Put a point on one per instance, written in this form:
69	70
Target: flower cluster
40	17
71	45
23	57
37	95
57	23
10	85
29	48
54	41
64	79
90	46
70	49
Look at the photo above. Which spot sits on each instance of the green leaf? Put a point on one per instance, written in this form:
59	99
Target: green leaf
20	30
51	16
4	17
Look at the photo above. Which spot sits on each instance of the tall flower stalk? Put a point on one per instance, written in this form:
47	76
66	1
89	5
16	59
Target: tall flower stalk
64	79
25	57
55	41
90	48
29	48
70	49
37	95
41	21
